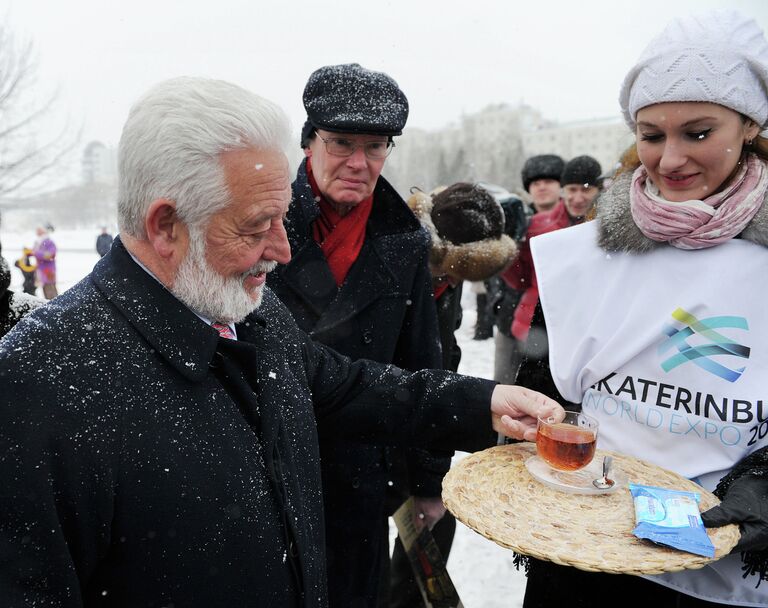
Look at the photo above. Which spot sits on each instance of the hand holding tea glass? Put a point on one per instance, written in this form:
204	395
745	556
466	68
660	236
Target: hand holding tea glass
567	444
516	409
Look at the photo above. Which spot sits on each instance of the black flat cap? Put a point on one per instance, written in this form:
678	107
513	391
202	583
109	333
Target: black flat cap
348	98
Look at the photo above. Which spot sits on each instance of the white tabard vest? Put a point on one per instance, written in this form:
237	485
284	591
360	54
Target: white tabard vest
669	351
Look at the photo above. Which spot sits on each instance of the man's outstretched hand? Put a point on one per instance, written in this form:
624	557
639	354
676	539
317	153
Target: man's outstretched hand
514	410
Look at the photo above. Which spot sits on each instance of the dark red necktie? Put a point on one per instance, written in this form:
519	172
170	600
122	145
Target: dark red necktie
225	331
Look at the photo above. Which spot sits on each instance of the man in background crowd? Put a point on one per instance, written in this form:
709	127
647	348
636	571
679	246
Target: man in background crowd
491	297
581	182
103	242
541	179
466	225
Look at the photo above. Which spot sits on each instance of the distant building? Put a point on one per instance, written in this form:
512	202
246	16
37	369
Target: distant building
491	146
484	146
604	139
99	164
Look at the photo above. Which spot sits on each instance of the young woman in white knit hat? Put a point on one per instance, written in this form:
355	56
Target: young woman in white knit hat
657	318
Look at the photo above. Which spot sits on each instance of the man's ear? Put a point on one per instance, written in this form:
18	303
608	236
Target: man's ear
166	233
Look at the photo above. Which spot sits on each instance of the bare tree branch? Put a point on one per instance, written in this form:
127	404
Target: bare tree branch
26	152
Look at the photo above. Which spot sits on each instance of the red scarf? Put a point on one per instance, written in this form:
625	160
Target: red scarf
340	237
440	289
541	223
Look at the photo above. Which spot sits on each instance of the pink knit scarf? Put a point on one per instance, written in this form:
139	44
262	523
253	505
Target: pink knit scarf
699	224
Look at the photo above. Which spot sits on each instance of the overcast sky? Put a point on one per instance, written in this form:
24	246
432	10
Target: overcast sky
566	58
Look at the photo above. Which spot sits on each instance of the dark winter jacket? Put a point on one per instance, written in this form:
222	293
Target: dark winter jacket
503	298
103	243
156	464
449	315
384	311
533	371
534	363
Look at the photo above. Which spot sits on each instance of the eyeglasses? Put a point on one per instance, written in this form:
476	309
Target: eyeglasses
341	146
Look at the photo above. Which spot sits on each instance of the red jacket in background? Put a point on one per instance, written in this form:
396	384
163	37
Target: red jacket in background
522	276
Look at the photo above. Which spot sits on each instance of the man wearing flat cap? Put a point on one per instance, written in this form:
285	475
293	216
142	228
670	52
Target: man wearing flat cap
359	282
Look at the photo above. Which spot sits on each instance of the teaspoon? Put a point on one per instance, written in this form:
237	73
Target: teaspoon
603	483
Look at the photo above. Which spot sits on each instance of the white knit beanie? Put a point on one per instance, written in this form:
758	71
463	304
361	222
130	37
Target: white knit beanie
719	57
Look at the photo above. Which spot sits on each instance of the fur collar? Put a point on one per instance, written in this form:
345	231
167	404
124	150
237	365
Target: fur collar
617	230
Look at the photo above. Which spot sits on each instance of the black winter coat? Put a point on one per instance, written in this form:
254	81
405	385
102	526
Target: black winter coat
504	299
103	243
449	316
156	464
384	311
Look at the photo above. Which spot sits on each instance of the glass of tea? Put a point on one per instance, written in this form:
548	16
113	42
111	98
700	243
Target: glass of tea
568	444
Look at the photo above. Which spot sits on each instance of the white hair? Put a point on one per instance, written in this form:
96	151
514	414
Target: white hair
211	294
172	141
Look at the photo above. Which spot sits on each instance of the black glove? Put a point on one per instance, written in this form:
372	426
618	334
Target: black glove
745	503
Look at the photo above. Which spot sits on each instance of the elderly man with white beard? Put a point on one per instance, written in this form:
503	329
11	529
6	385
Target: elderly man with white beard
169	457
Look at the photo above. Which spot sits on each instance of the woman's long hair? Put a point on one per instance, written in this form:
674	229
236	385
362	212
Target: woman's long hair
628	161
760	147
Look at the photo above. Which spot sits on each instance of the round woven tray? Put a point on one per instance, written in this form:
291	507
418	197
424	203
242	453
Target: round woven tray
493	493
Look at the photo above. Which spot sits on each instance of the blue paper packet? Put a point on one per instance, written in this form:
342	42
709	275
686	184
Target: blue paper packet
670	518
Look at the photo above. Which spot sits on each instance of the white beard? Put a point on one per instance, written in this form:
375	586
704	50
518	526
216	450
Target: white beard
201	288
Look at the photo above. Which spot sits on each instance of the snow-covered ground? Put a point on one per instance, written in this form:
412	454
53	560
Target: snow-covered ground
481	570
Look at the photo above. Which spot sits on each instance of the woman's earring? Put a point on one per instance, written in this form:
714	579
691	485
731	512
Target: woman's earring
748	142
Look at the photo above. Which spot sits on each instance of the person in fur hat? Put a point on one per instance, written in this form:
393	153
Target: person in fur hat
658	306
580	181
468	244
466	225
541	178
